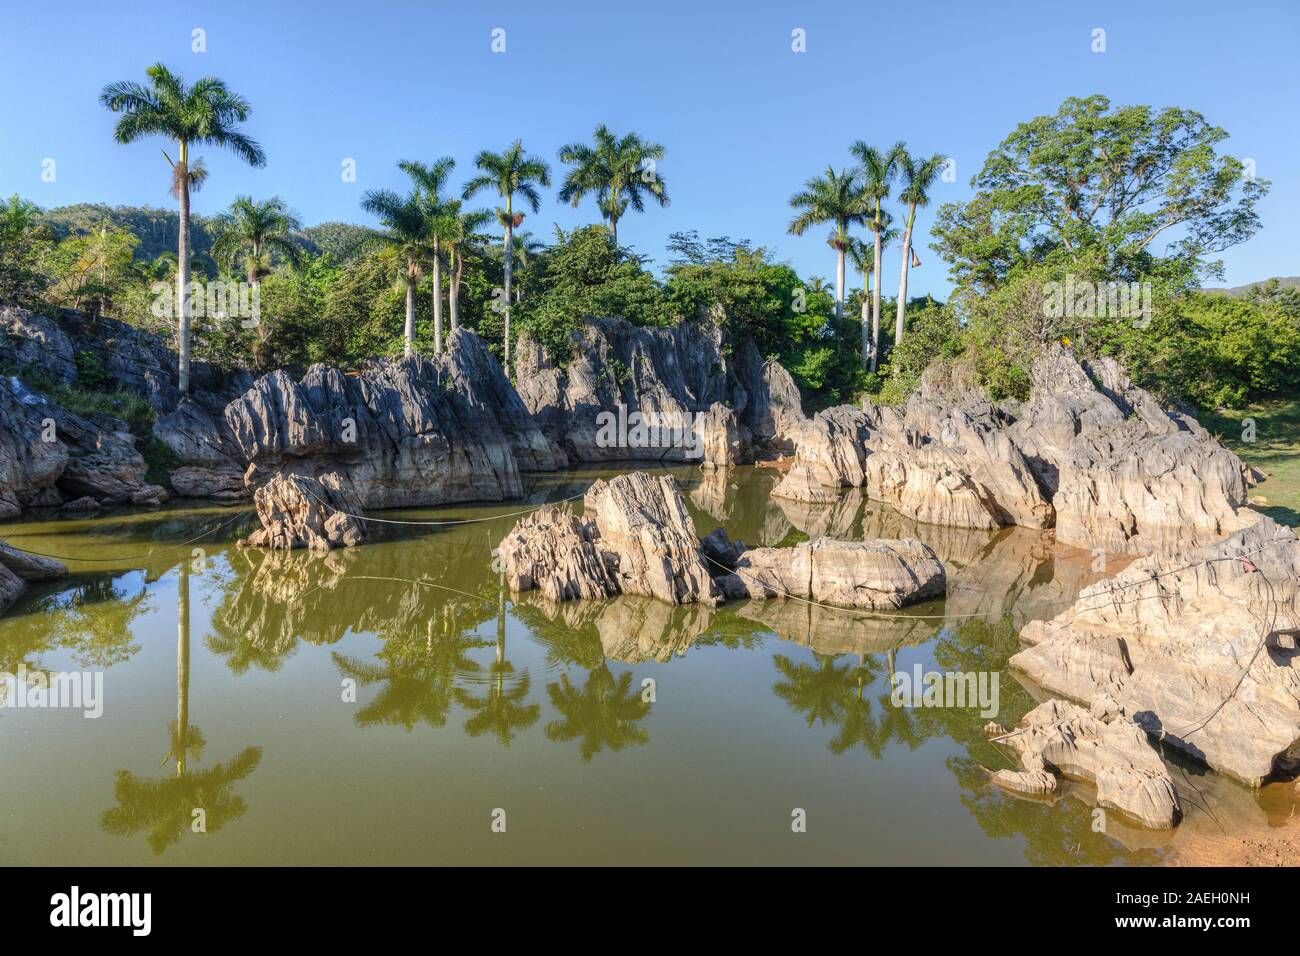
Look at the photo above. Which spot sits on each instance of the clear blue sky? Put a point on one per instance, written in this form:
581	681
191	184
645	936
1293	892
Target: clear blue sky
745	119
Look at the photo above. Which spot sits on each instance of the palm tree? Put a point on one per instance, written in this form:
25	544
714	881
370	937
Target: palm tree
407	221
430	180
513	171
866	259
916	180
603	713
458	230
205	113
877	175
614	171
526	250
252	232
830	198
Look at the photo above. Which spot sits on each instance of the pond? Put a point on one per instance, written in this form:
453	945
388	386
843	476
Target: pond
391	704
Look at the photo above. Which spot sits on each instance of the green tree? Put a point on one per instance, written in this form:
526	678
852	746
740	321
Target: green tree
835	198
25	241
1091	184
510	172
459	231
203	114
620	171
252	233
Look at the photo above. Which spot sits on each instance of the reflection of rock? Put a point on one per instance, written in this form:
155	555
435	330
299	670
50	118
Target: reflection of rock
1116	757
1180	645
801	485
301	512
18	569
833	631
863	574
635	537
834	519
631	629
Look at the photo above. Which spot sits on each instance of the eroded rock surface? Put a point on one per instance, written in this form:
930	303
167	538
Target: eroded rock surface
18	569
1115	756
1197	648
298	511
854	574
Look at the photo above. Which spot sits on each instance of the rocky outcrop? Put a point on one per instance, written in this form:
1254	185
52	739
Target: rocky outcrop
853	574
638	393
415	431
1089	452
634	537
1112	754
1199	649
49	455
297	511
18	569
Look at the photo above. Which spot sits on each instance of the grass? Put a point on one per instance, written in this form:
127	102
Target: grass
1275	451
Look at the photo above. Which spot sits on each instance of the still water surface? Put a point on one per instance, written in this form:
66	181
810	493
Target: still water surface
226	677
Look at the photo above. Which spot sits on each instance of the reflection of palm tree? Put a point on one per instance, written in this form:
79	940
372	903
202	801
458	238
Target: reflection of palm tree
602	714
857	724
418	678
822	692
165	806
501	711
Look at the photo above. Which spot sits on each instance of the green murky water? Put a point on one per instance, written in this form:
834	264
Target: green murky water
226	679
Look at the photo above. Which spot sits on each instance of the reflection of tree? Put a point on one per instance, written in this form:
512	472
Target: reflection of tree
417	676
822	692
603	713
92	619
502	711
165	806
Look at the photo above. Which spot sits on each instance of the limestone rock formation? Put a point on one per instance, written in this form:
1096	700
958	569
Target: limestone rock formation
411	432
696	403
855	574
634	537
1197	648
1089	452
18	569
297	511
1114	756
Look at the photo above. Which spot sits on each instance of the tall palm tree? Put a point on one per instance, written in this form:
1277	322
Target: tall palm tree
430	180
877	174
613	169
203	114
831	198
458	230
916	178
510	172
407	221
866	259
252	232
526	249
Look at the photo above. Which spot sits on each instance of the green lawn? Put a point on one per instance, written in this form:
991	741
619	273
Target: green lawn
1275	451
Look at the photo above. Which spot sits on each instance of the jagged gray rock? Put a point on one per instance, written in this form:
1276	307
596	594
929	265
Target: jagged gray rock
634	537
1201	654
298	511
411	432
18	569
706	406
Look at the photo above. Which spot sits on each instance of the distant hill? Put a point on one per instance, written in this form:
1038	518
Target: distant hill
156	229
1284	282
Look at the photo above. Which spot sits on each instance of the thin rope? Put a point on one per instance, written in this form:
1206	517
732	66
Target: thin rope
136	557
510	514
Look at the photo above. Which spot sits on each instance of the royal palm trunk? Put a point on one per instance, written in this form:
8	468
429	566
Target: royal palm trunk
509	259
182	173
902	279
875	298
409	334
839	285
437	298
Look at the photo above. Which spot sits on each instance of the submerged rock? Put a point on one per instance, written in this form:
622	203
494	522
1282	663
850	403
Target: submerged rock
1198	649
1114	756
19	568
299	511
854	574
